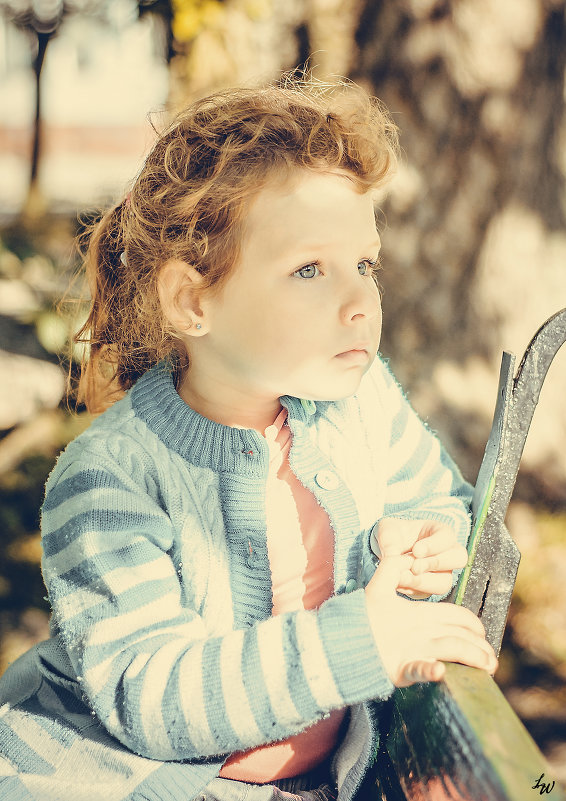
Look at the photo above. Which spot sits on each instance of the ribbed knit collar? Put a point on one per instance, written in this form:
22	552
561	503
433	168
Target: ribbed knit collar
202	441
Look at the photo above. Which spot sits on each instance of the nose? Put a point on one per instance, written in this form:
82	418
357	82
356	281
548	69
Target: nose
361	301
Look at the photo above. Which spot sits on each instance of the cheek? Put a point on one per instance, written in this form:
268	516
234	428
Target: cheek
378	308
259	331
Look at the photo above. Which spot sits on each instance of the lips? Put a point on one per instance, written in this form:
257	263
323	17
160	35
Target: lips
359	348
357	355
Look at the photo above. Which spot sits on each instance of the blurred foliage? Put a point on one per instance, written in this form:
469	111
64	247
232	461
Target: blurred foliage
538	617
21	586
39	287
190	17
21	495
35	272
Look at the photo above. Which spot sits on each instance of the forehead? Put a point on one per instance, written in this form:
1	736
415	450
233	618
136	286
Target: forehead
308	205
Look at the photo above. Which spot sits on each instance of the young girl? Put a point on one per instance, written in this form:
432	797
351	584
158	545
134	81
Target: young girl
219	627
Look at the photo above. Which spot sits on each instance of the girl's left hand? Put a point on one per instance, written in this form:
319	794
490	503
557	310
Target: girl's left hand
434	550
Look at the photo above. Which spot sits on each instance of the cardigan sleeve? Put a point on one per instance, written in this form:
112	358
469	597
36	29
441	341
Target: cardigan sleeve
423	482
145	663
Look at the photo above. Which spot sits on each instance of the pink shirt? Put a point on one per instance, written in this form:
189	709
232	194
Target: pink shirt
300	545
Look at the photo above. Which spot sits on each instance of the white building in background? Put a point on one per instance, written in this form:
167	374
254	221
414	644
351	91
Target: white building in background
100	80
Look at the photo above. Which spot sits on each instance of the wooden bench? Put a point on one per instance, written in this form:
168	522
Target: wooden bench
459	740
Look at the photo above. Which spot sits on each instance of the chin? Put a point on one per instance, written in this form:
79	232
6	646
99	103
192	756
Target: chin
330	385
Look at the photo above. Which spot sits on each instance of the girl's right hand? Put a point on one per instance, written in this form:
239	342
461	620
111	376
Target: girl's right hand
415	638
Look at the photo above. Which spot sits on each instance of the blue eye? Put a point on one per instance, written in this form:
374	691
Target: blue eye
368	267
308	271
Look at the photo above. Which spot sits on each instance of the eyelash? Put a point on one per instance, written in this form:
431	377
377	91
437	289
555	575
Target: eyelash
373	267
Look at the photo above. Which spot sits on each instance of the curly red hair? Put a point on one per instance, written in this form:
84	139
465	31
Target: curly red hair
189	203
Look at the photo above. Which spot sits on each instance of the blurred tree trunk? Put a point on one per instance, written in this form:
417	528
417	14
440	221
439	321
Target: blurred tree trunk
477	89
34	205
42	42
41	20
472	144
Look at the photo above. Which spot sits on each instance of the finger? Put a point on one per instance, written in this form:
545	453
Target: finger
434	540
448	560
427	584
451	615
465	651
388	573
415	594
421	670
461	632
395	536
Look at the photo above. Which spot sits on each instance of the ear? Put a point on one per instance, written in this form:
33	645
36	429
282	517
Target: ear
178	286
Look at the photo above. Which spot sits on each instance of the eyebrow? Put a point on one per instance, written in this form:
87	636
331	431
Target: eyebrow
310	246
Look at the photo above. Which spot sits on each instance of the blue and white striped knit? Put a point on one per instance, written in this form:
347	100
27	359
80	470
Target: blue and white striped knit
164	657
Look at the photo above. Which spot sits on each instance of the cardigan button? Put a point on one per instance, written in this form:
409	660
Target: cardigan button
309	406
327	480
351	585
373	543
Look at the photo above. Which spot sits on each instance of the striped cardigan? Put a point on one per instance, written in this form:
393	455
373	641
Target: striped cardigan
164	657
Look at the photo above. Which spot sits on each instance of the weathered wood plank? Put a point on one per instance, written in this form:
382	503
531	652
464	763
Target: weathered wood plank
459	740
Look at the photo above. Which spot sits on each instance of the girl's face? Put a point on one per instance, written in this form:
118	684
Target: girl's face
300	314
